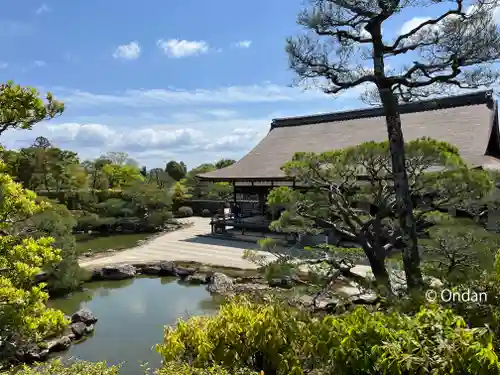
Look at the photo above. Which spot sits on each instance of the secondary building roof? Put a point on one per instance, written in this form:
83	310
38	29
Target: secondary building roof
469	122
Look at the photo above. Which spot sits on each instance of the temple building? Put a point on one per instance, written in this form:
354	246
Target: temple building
469	122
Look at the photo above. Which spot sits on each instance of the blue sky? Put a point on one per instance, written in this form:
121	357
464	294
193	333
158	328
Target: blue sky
188	80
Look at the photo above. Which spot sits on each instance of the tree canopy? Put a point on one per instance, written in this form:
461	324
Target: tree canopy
351	192
23	313
344	47
22	107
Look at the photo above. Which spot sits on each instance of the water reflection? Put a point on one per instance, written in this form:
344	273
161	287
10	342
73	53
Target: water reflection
132	315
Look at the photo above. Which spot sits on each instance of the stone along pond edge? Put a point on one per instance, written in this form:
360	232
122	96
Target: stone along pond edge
82	322
224	281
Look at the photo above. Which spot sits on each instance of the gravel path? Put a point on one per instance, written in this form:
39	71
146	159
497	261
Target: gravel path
183	245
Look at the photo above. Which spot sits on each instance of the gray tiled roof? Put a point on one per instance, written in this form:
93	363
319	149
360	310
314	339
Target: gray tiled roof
470	122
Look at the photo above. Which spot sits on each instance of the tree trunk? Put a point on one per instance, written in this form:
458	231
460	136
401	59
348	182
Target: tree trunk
411	256
377	264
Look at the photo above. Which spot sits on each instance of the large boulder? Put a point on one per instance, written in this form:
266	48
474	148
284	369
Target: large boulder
85	316
184	272
152	269
220	283
197	279
118	272
284	282
78	329
167	269
59	345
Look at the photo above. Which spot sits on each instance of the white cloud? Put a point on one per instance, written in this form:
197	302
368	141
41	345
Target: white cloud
39	64
243	44
130	51
411	24
182	48
3	65
266	93
44	8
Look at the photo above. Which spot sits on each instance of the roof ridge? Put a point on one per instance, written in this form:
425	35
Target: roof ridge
475	98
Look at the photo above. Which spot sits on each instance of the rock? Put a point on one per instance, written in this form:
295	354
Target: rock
96	274
29	353
197	279
285	283
250	279
89	329
151	270
78	329
327	303
72	336
41	277
118	272
58	345
220	283
366	299
434	282
184	272
250	288
84	316
88	254
44	354
167	269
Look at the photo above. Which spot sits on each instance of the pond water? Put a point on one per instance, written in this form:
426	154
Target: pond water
132	314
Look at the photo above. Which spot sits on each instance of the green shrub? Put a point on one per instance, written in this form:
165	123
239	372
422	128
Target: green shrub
77	368
206	213
281	340
184	369
185	211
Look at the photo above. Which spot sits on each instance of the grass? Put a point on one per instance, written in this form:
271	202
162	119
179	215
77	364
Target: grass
98	244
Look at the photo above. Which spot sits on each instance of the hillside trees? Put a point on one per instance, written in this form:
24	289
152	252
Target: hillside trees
352	193
344	47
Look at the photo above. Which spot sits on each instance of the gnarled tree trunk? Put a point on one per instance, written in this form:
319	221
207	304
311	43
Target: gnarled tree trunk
404	206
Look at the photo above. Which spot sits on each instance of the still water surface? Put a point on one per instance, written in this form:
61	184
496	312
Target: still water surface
132	314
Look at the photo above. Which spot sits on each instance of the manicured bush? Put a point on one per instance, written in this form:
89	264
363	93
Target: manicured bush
281	340
185	211
206	213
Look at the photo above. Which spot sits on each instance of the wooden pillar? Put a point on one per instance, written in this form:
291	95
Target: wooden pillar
234	192
262	202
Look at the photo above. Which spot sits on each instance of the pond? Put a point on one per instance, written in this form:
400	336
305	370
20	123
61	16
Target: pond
132	314
100	243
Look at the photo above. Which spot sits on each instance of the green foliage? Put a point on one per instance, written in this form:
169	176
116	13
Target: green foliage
206	212
185	369
22	107
58	222
352	192
205	190
122	175
77	368
280	340
185	211
459	251
176	170
23	314
223	163
44	167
